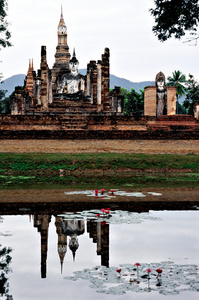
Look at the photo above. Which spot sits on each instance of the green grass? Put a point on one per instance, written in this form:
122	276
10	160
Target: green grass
109	170
102	161
121	181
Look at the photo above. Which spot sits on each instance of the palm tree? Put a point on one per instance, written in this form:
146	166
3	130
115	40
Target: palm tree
178	80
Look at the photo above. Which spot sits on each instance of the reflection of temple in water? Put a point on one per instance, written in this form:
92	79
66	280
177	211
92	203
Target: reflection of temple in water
42	224
99	232
65	228
70	230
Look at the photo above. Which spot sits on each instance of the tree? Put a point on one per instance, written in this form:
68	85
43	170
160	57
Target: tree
174	18
5	105
181	109
133	101
177	80
5	260
4	32
192	95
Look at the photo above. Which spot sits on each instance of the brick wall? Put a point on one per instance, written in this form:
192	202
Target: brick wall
98	126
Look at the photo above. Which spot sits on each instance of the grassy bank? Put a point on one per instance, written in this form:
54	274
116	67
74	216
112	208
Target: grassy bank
98	170
118	181
102	161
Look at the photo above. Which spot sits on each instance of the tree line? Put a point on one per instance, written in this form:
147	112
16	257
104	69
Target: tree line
134	101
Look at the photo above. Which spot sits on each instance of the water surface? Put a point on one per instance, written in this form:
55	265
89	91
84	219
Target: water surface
44	267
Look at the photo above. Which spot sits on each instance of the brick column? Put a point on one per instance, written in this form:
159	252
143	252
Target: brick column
92	81
106	80
171	100
150	101
99	85
44	79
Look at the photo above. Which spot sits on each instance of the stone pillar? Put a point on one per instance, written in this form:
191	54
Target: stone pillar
171	100
92	81
38	90
88	88
106	80
50	96
99	85
44	79
150	101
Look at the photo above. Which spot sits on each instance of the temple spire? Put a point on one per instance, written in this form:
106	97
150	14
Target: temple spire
74	55
62	55
61	21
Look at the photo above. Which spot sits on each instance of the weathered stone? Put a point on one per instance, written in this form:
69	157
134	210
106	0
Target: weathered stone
159	100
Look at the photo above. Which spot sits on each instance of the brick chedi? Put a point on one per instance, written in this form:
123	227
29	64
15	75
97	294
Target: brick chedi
29	80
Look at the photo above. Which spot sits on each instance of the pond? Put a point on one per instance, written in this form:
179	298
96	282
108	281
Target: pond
102	252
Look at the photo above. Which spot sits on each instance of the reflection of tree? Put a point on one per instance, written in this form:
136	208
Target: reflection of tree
5	260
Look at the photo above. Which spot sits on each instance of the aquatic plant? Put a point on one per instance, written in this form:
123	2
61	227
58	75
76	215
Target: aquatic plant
175	279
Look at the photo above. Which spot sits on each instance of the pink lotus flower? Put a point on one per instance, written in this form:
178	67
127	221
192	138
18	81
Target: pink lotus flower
102	191
137	264
103	210
159	271
148	270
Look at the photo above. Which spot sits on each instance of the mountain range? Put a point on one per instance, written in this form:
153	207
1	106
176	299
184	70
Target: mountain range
18	80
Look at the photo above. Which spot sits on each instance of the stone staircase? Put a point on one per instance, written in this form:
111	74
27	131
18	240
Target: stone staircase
74	122
70	106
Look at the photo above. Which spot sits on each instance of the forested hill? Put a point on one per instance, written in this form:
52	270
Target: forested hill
124	83
10	83
18	80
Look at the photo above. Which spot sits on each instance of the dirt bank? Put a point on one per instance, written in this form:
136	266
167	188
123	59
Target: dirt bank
58	196
96	146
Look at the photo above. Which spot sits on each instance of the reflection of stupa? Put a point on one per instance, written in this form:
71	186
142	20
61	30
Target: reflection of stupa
65	228
62	241
41	222
73	228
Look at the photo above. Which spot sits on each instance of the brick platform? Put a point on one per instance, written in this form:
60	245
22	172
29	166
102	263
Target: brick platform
98	126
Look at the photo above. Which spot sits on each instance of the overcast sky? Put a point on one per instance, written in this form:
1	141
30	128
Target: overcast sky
124	26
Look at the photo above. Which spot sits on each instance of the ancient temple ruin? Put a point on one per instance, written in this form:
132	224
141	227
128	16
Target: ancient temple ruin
61	103
62	89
